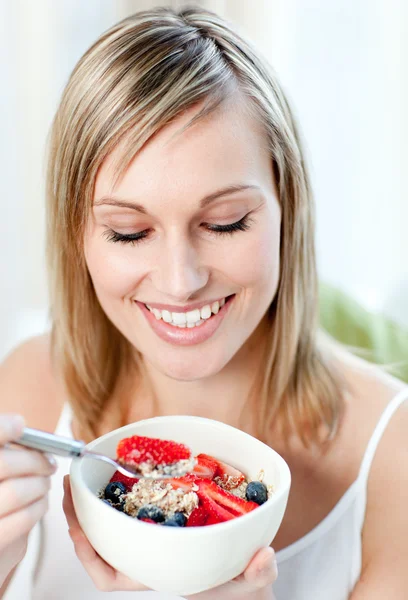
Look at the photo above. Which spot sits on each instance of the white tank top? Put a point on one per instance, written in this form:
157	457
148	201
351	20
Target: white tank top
325	563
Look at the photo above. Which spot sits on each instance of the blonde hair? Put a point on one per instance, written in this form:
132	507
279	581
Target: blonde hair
136	78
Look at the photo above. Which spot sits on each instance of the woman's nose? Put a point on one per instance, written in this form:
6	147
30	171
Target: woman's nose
179	274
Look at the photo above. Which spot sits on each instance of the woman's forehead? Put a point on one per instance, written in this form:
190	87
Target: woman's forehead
224	146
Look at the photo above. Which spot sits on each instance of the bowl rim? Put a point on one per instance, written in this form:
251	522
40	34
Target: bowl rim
283	468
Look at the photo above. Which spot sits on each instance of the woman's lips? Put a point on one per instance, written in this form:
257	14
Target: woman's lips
179	336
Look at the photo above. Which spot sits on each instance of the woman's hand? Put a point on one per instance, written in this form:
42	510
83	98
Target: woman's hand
258	576
24	485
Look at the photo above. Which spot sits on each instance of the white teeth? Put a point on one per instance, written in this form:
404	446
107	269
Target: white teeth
193	316
206	312
166	316
190	319
179	318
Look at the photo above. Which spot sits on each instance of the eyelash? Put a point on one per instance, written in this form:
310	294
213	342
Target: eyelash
134	238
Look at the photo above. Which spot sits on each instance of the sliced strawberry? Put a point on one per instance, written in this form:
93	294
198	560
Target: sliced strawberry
208	512
127	481
205	467
139	449
229	477
185	483
216	512
236	506
198	517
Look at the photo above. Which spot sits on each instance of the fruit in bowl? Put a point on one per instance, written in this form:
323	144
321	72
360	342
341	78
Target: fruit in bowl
212	492
190	554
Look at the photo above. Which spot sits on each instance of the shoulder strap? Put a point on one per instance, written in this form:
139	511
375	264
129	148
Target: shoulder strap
369	454
378	432
64	422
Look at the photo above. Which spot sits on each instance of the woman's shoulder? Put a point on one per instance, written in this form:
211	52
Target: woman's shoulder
28	384
372	391
369	390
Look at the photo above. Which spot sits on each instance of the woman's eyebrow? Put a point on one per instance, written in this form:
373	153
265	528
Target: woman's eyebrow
230	189
111	201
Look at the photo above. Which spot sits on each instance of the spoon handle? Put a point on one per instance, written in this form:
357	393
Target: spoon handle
48	442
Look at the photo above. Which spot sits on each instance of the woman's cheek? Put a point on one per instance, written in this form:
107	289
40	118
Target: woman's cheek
115	272
255	263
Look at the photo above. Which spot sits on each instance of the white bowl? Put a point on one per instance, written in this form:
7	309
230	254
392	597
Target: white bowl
181	561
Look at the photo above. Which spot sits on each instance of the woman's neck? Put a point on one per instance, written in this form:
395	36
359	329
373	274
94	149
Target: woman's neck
227	396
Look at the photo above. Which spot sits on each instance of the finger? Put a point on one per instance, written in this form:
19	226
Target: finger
14	554
19	523
103	575
68	505
11	428
262	570
15	494
24	462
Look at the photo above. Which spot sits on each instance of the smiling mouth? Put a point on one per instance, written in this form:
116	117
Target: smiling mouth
192	318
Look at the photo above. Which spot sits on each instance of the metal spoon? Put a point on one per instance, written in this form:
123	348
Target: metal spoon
64	446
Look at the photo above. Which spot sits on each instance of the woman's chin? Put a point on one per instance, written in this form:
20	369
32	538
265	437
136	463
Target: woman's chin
183	369
188	372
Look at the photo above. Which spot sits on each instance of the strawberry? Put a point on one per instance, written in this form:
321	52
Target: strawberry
139	449
185	483
206	467
216	513
198	517
128	482
234	505
229	477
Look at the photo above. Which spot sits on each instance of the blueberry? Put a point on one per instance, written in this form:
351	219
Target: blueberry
179	519
256	492
171	523
150	511
114	490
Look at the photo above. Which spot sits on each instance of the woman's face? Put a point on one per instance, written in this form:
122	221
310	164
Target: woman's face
184	252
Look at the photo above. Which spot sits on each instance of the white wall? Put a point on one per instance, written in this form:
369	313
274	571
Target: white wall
344	65
347	82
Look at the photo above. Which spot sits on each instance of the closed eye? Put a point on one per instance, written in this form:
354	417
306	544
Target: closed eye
130	238
241	225
134	238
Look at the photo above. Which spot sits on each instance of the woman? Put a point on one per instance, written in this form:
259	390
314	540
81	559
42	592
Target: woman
183	280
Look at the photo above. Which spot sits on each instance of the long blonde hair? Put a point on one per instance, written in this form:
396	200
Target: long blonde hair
136	78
